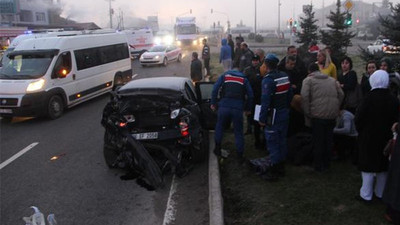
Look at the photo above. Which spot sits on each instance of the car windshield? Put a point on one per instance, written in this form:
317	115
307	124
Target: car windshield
157	48
28	65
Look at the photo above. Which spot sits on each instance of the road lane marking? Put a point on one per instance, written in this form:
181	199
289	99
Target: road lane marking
170	211
133	76
16	156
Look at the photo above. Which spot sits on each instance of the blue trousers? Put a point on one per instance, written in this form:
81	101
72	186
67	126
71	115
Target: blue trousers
277	141
226	115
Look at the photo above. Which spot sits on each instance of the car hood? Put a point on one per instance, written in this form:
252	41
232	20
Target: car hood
152	54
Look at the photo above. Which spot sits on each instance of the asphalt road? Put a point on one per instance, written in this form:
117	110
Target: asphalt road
78	187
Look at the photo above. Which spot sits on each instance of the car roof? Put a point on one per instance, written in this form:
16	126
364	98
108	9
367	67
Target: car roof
172	83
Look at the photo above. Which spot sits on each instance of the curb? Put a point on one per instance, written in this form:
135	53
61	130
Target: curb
214	188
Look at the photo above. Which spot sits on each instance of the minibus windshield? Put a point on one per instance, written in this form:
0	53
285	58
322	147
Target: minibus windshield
27	65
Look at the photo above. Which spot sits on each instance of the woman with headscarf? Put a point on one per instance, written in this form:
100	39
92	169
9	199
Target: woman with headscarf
374	119
325	64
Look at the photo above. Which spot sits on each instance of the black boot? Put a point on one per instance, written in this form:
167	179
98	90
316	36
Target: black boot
217	150
271	174
280	169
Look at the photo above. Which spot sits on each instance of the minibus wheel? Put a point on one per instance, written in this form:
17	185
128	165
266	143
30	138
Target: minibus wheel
118	81
55	107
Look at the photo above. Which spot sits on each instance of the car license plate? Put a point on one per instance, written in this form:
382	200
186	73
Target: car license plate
145	136
6	111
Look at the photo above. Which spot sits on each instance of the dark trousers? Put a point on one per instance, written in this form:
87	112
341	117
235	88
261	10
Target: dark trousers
207	66
322	133
276	136
345	145
250	123
225	115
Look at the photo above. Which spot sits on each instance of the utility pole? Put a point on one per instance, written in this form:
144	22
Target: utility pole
110	11
255	16
279	17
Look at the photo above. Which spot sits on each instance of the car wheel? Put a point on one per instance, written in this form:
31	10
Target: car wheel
200	147
55	107
110	153
143	65
179	58
165	61
118	81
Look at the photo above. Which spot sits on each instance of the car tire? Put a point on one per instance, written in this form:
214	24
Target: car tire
199	148
179	58
55	107
165	61
109	152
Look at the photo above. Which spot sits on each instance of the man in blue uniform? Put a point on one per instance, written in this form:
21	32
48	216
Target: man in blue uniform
274	115
233	87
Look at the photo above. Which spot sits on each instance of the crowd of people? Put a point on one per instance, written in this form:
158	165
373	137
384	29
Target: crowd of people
343	117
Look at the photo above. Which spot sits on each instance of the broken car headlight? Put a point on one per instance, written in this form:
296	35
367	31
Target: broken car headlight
129	118
175	113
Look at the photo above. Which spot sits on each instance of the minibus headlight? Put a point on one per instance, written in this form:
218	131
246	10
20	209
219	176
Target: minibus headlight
35	86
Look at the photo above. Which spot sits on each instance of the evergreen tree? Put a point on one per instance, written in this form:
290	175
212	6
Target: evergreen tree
338	38
309	29
390	25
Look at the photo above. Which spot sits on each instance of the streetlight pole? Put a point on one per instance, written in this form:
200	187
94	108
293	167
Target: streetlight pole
255	16
279	17
110	11
227	17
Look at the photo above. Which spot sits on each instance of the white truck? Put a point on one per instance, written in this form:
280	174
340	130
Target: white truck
186	32
139	40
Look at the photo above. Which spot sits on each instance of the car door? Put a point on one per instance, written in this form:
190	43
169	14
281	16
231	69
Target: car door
203	92
172	53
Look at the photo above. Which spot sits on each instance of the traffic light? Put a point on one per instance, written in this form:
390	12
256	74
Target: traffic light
290	21
348	21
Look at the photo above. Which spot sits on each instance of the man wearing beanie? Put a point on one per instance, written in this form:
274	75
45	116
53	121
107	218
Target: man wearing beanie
274	115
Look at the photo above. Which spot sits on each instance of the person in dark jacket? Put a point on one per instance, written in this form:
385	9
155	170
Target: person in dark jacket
391	194
296	118
348	83
274	115
233	87
300	66
245	59
232	45
205	55
370	68
253	74
196	73
374	119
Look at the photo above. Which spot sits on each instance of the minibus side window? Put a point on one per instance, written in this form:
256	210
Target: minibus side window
63	66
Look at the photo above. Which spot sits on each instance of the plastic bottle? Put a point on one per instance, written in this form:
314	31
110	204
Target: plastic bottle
37	217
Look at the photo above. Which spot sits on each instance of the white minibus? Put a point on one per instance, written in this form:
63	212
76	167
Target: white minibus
44	76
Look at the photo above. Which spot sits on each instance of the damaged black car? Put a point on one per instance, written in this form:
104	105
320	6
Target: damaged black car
158	125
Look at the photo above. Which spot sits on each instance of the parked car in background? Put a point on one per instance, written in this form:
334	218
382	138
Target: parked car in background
161	55
384	45
365	35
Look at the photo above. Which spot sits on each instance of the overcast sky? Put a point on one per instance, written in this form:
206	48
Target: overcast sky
236	10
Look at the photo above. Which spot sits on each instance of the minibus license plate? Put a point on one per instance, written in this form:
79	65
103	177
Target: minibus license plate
145	136
6	111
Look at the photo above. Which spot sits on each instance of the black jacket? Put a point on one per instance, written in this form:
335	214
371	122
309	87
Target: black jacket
196	70
374	119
